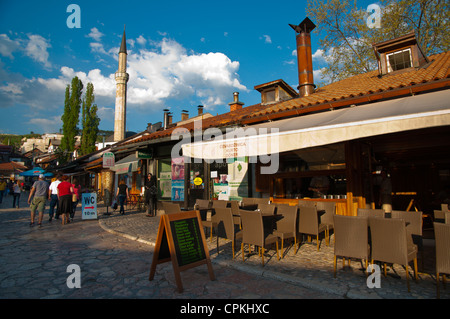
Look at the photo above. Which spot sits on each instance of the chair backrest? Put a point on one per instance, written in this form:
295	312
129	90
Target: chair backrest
389	241
413	218
224	217
308	203
442	237
447	217
219	204
203	203
252	228
439	214
247	201
267	209
330	211
368	212
351	236
170	208
235	207
288	222
444	207
261	200
308	220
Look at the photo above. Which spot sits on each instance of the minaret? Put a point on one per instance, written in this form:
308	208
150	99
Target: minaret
121	93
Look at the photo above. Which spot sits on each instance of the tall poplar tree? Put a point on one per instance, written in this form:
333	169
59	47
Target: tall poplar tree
90	121
70	117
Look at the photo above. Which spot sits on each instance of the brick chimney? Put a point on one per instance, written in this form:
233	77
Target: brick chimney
306	84
184	115
200	109
236	104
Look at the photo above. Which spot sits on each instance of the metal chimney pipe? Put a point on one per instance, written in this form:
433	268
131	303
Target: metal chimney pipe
304	57
166	118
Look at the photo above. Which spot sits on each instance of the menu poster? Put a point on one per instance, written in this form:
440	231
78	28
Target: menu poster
181	240
177	179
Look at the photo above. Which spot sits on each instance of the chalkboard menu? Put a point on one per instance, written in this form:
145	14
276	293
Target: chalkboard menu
181	240
188	241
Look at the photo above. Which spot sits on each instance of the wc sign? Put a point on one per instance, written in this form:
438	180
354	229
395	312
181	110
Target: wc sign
89	206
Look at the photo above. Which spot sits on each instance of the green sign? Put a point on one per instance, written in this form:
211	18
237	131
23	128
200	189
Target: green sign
144	155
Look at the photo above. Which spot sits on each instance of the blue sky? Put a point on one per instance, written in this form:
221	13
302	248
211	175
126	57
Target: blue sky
180	54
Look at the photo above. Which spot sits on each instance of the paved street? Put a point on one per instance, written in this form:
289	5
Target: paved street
34	264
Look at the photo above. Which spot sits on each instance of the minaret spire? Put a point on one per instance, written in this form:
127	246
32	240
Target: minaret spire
121	92
123	45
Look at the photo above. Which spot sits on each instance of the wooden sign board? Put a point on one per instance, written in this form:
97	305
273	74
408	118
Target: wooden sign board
181	240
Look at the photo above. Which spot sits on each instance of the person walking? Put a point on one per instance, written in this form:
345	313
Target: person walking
150	195
2	189
17	189
122	194
65	191
75	198
39	190
53	198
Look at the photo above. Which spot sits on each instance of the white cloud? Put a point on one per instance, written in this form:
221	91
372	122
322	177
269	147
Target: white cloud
267	38
37	49
8	46
141	40
95	34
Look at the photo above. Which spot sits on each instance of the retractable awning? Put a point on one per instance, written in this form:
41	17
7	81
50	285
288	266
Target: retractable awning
403	114
126	165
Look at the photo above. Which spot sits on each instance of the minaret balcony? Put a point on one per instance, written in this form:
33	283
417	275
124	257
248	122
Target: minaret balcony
122	77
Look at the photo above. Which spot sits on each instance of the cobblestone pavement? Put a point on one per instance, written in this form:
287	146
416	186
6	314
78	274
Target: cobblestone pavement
34	264
306	268
115	253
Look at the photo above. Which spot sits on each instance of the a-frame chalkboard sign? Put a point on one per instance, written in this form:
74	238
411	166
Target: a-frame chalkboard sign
181	240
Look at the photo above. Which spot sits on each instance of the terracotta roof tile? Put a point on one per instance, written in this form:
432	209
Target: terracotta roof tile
359	86
366	84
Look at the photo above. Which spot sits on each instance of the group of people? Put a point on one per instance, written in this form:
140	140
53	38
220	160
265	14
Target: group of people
61	193
149	195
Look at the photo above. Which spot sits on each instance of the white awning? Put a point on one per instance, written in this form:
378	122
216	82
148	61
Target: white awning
126	165
403	114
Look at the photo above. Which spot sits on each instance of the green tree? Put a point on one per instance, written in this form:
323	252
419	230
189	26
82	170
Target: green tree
90	121
347	41
70	117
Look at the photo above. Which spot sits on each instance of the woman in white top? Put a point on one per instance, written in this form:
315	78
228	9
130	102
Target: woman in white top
17	189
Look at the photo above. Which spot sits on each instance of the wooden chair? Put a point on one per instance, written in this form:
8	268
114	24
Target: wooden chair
327	218
442	237
368	212
390	244
414	227
267	209
308	223
226	227
253	233
211	219
235	212
351	239
286	227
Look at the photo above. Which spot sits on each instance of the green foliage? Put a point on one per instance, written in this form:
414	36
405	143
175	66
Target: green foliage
70	117
90	122
347	41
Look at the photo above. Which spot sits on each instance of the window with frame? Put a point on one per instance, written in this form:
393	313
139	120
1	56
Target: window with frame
399	60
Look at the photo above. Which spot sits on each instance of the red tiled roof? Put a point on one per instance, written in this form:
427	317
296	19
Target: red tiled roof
359	89
12	166
368	84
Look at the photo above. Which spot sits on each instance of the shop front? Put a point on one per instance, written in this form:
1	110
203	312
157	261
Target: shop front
334	155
